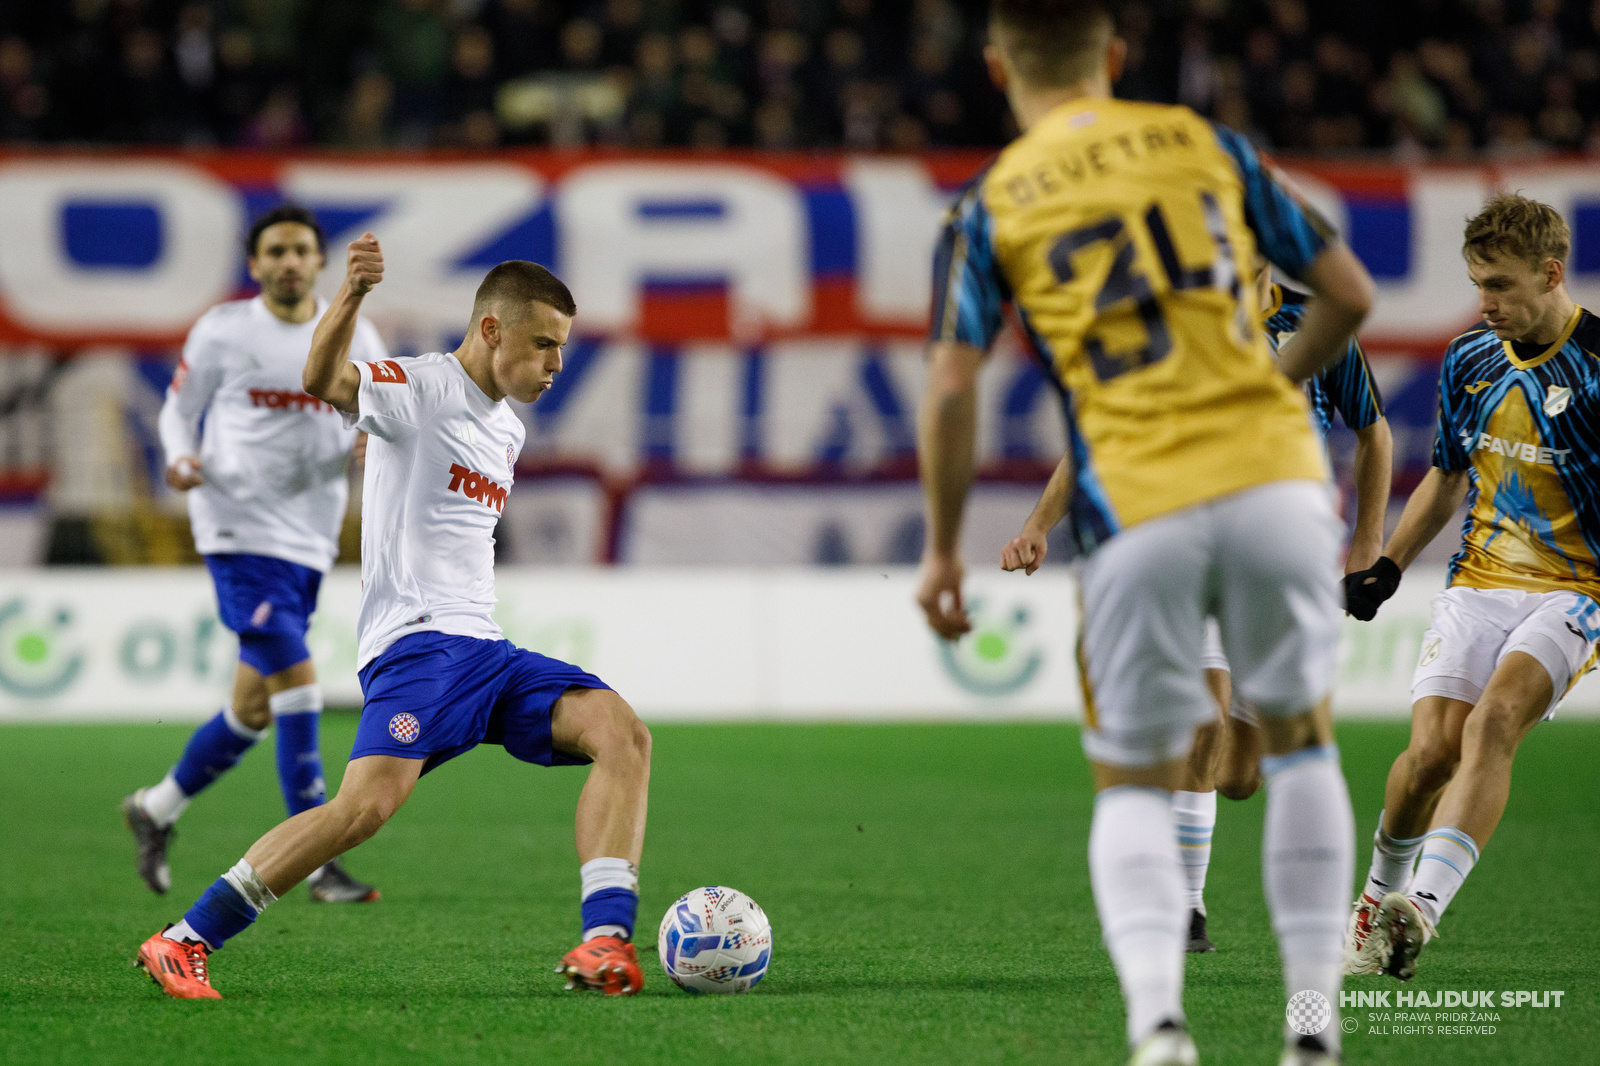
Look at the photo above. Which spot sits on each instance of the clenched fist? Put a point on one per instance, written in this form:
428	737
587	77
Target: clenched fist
364	264
1025	552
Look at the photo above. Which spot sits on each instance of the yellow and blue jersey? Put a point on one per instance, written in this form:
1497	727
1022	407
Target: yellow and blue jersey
1120	233
1525	423
1346	387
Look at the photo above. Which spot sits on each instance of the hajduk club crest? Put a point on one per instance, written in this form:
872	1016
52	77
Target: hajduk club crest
404	727
1556	398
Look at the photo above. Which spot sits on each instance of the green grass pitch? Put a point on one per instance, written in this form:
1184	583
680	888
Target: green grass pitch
927	886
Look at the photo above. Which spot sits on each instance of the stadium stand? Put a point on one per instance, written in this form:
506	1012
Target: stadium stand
1428	79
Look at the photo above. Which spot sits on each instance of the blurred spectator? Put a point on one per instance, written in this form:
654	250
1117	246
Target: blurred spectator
24	102
279	125
367	112
1429	78
469	91
240	85
414	43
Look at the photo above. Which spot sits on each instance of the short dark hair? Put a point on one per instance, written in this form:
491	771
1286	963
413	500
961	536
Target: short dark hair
517	282
1052	43
285	212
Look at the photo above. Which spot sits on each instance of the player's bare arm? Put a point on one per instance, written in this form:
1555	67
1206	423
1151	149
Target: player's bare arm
329	373
1373	473
1431	507
946	433
1342	294
1026	551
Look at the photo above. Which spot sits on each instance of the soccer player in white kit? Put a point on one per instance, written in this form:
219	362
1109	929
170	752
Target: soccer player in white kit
267	493
436	675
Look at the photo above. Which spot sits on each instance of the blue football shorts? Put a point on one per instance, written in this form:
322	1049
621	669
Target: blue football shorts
269	603
434	696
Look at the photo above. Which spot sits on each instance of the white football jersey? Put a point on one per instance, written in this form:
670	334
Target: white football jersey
273	457
440	461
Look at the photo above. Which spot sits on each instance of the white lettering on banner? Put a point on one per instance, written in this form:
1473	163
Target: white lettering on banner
708	419
599	417
792	404
625	223
1565	187
145	645
430	217
898	211
1435	299
195	248
819	405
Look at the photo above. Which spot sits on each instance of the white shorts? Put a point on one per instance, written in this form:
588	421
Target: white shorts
1473	629
1212	657
1264	562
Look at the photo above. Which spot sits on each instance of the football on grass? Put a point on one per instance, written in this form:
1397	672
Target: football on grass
715	940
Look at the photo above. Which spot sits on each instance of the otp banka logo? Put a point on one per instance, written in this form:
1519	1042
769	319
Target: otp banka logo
36	659
998	657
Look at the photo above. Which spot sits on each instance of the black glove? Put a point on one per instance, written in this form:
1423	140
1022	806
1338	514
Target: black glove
1365	589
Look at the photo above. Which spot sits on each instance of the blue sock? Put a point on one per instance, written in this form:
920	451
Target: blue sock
300	761
610	906
212	751
220	913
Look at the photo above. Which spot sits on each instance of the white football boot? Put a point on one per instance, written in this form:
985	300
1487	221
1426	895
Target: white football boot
1169	1045
1404	930
1363	952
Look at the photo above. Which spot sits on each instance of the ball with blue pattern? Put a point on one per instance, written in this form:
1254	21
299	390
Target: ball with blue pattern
715	939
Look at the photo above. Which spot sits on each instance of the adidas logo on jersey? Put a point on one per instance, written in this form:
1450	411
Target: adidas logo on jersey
284	399
1528	453
466	434
476	486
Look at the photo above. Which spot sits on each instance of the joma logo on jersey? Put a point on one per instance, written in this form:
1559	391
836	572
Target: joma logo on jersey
1514	449
284	399
476	486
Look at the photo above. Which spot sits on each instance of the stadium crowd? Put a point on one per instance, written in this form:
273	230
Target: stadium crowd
1424	78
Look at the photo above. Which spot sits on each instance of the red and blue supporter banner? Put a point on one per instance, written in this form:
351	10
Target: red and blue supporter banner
132	247
742	317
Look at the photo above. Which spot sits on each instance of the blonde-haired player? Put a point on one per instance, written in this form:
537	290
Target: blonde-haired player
1519	415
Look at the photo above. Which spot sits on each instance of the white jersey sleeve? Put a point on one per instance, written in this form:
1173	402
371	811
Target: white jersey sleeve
392	403
200	373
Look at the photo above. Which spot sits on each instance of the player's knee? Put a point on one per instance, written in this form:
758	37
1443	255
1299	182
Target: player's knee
1433	761
1493	727
617	733
364	816
1238	785
252	711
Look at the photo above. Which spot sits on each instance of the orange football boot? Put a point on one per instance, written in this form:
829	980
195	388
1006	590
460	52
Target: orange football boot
606	964
180	969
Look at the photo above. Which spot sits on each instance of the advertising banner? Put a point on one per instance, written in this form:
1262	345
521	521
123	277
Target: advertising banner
679	644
